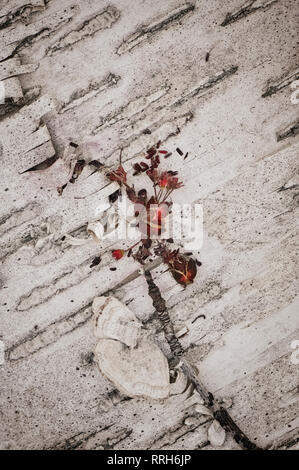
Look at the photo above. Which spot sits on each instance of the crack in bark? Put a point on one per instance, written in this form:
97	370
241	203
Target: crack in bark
71	443
148	31
280	84
177	433
210	83
247	9
177	353
287	188
290	131
81	96
69	328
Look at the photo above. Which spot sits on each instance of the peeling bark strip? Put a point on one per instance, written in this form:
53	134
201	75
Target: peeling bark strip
29	146
279	84
177	353
207	84
12	67
10	15
145	32
88	28
15	98
290	131
42	294
249	7
18	217
13	39
80	96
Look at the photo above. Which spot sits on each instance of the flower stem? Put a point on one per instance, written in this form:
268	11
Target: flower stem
177	353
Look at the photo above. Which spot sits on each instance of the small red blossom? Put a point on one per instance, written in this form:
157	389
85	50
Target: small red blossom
118	254
168	180
119	175
183	269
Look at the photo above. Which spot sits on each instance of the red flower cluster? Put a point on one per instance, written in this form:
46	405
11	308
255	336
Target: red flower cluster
156	209
168	180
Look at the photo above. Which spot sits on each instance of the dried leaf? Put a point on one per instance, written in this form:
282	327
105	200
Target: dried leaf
95	261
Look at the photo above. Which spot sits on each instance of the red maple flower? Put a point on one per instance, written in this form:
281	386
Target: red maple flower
118	254
183	269
119	175
168	180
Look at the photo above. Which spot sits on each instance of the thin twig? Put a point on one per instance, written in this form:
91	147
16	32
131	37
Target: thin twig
177	353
